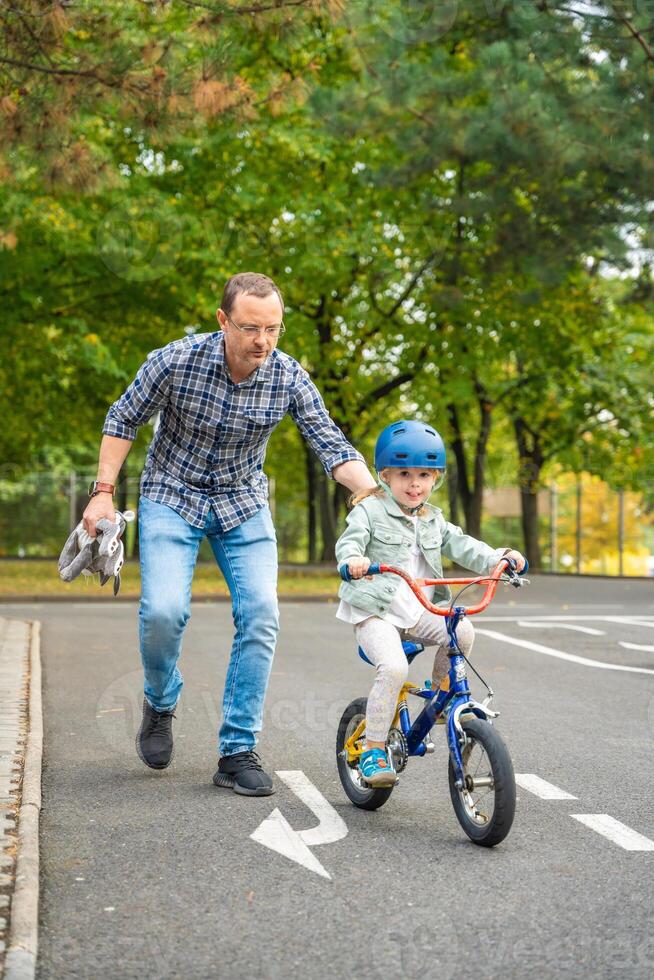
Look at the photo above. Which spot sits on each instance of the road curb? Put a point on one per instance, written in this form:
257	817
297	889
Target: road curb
20	960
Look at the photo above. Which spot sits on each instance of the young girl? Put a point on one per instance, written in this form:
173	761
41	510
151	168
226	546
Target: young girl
394	525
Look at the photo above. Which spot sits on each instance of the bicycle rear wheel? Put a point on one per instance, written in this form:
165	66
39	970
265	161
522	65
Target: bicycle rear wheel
485	805
364	796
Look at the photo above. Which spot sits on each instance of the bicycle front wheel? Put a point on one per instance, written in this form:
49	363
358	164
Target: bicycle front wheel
485	804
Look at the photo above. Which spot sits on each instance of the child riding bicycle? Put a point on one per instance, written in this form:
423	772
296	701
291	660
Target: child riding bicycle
394	524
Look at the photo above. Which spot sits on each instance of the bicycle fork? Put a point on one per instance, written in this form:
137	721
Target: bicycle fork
455	697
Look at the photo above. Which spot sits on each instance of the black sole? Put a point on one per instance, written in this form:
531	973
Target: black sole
225	781
145	761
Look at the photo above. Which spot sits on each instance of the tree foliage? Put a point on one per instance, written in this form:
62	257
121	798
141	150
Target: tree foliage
453	198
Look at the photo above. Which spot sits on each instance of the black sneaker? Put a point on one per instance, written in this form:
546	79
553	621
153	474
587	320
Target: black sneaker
242	772
154	741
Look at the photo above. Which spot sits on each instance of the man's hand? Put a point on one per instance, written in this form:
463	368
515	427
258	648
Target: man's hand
519	559
358	567
102	505
354	475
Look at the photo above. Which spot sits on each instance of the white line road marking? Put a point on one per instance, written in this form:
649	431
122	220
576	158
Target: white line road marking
276	833
541	788
592	605
541	624
636	646
634	622
619	833
570	617
551	652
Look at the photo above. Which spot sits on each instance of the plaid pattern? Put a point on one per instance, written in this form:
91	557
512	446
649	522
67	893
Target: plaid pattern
209	448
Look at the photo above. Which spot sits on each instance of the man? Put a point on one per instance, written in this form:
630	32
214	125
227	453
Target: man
220	396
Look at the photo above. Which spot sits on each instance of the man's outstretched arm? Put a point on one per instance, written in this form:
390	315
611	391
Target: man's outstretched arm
354	475
339	458
147	393
113	453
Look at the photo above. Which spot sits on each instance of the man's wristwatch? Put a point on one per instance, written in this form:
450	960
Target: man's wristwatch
95	487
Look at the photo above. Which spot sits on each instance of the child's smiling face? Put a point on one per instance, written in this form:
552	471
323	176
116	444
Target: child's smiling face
410	487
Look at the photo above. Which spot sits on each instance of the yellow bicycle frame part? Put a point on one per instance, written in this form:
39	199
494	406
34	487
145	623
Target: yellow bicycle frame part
354	745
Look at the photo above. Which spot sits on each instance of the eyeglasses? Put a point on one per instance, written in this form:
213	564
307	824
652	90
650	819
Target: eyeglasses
251	331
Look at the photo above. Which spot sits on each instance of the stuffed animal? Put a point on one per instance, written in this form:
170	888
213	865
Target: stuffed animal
103	555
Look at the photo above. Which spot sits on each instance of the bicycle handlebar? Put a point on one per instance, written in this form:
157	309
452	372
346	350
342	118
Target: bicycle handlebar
415	584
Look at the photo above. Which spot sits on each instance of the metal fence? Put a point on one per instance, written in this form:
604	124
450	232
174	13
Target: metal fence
584	526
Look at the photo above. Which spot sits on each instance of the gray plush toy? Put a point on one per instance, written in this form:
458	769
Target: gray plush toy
103	555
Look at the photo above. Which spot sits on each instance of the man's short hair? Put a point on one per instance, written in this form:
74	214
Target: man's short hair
252	283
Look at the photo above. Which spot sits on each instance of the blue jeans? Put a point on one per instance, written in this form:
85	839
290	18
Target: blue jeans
247	557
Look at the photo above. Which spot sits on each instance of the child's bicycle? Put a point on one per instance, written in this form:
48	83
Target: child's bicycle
482	782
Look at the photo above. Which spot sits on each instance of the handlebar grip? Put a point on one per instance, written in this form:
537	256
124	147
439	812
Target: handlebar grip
344	571
512	565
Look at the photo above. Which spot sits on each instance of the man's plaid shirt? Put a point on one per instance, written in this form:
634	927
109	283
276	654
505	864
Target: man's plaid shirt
209	449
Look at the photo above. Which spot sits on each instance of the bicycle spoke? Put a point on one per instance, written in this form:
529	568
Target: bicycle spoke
479	804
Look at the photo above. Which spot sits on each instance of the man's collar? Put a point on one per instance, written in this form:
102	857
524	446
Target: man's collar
259	374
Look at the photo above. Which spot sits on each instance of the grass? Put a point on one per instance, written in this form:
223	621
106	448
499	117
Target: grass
41	578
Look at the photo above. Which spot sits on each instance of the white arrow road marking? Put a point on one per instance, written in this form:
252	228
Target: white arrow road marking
635	646
550	652
541	788
276	833
561	626
331	826
619	833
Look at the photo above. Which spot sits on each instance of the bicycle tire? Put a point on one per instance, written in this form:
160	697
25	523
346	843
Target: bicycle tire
365	797
494	828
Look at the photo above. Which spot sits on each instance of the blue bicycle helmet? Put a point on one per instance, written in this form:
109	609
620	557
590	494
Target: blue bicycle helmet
410	444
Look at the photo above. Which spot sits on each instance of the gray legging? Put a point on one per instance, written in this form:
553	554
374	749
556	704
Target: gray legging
382	644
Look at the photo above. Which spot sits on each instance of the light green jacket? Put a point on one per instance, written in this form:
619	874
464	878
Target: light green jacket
378	529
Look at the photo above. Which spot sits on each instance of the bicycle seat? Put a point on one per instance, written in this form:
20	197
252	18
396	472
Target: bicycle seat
411	650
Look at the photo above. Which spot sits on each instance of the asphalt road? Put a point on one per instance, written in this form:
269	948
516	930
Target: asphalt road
155	874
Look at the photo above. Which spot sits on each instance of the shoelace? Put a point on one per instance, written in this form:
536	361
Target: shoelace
161	717
251	760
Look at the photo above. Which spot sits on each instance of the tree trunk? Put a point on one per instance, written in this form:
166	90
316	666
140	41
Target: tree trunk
122	488
475	503
340	497
327	518
452	492
462	489
531	464
471	494
312	497
121	503
529	504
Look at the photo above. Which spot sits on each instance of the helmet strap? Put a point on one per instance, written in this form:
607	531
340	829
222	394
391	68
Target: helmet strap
411	510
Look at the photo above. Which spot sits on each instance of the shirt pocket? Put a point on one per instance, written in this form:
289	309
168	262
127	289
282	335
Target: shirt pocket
431	540
262	420
248	428
387	544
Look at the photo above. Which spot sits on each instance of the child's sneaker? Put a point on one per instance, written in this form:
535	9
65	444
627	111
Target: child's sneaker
376	769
